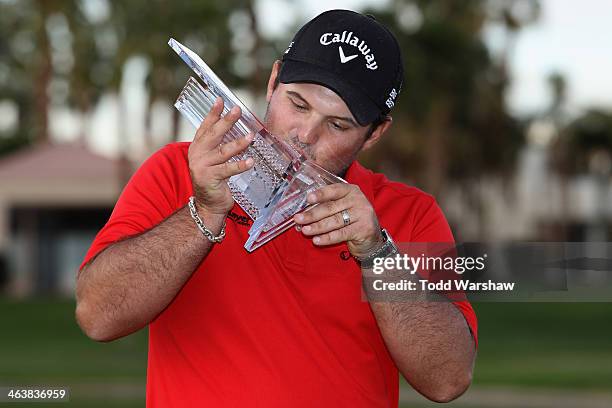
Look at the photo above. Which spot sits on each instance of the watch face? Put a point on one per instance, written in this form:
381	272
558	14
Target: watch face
387	237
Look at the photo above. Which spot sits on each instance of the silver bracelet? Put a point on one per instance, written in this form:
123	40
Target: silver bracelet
207	233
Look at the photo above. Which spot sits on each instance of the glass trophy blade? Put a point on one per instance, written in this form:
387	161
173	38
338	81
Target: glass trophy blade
290	200
275	188
215	85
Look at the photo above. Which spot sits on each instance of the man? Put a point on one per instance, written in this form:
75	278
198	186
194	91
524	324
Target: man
286	325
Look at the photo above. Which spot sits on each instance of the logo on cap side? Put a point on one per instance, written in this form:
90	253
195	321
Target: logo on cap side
391	99
289	47
344	59
350	39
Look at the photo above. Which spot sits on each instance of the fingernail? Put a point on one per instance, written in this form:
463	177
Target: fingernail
235	110
316	240
306	229
299	218
311	198
249	161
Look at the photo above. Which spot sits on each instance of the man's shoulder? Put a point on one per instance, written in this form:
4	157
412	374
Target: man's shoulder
400	190
174	149
381	188
168	167
172	156
409	213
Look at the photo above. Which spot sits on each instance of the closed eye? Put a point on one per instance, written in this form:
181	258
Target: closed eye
338	126
298	106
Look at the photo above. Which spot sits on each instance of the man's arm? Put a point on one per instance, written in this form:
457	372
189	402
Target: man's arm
129	283
429	341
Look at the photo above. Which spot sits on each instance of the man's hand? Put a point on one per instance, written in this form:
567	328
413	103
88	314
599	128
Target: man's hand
208	158
326	224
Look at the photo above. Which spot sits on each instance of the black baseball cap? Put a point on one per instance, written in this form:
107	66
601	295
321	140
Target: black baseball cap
353	55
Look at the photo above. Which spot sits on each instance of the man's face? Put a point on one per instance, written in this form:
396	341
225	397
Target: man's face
317	121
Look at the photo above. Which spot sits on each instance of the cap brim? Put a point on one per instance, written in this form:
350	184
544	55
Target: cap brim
363	109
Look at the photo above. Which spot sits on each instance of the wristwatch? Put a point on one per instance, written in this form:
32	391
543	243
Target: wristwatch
387	249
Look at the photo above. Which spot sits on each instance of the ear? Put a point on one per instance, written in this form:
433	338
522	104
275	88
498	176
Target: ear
377	133
273	75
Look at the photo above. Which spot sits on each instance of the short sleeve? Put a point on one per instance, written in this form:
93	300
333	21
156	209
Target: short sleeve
150	196
430	225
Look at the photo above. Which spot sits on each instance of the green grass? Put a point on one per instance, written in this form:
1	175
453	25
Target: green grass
521	344
558	345
40	340
41	344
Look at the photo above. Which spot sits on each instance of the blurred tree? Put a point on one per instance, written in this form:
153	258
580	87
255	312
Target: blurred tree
557	85
49	47
223	34
26	74
558	89
452	122
101	36
142	28
15	86
92	59
585	145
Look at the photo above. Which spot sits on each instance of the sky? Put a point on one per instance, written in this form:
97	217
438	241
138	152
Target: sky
571	37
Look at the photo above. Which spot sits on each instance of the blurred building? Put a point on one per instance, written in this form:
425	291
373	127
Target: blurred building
53	200
535	202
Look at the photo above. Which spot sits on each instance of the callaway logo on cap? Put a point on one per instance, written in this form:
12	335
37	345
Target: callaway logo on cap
362	48
353	55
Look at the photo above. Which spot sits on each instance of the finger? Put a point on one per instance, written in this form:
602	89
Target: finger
226	151
328	224
213	135
213	117
222	126
226	170
330	192
335	236
322	211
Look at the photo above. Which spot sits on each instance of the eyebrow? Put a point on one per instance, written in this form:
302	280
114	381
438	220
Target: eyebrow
343	118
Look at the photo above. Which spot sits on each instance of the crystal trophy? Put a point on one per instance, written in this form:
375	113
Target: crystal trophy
275	188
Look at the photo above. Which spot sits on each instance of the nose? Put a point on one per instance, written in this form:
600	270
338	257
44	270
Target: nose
308	132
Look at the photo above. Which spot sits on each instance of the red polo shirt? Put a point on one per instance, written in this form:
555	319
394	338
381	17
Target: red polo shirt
284	326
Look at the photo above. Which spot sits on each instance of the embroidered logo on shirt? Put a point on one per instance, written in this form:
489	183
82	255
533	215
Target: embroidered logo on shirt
345	255
239	219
